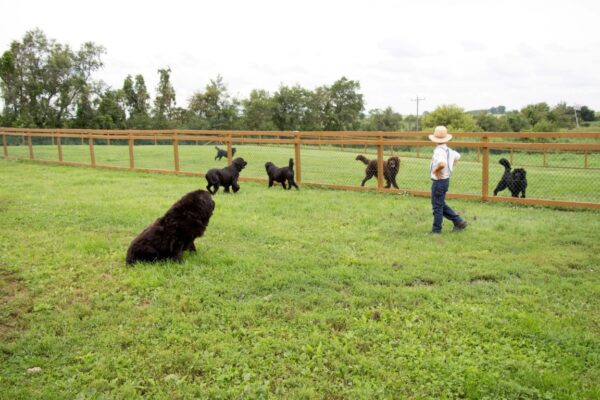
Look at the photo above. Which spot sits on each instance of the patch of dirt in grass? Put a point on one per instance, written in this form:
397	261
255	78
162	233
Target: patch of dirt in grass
420	282
4	203
480	279
15	301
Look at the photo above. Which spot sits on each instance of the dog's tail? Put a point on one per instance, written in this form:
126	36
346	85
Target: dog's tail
291	164
362	158
506	164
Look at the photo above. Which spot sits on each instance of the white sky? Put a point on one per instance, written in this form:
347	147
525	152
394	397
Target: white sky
475	54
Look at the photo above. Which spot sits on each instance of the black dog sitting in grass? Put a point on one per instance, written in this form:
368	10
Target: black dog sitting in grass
515	180
281	175
173	233
223	153
226	177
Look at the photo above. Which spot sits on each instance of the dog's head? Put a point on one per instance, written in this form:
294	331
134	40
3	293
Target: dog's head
268	165
393	163
239	163
519	174
203	200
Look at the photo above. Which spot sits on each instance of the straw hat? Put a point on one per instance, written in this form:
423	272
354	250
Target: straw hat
440	135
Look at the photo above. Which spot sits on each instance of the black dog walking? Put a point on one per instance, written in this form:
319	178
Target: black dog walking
515	180
223	153
281	175
226	177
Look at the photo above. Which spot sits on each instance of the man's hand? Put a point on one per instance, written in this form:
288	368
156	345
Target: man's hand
438	170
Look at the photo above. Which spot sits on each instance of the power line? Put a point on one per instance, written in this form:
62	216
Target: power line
417	100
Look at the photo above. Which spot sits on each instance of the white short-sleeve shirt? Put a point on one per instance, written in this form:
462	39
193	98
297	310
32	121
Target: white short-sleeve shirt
443	153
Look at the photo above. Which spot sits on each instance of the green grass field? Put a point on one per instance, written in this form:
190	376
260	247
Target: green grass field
292	294
565	179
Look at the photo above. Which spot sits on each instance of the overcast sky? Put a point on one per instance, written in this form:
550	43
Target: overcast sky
475	54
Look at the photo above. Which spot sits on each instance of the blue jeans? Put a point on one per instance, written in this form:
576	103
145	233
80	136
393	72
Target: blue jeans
440	208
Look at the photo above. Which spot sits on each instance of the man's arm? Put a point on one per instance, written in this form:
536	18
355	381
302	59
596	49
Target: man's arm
437	171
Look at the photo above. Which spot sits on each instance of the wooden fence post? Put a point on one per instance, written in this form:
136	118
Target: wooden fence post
30	144
298	159
6	147
485	169
59	148
131	159
380	164
229	150
92	155
176	151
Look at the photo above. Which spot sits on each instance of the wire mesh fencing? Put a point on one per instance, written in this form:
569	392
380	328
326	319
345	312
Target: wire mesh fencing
560	169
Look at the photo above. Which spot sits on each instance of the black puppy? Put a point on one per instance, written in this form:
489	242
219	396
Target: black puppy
226	177
173	233
223	153
515	180
281	175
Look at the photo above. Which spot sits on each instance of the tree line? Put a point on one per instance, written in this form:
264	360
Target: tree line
46	84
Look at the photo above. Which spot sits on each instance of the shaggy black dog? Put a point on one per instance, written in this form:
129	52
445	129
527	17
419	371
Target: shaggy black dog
515	180
226	177
281	175
391	166
173	233
223	153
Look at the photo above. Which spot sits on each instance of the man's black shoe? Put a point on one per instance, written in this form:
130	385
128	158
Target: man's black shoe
459	226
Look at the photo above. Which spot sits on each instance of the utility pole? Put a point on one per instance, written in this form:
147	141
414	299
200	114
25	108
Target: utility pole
575	109
417	100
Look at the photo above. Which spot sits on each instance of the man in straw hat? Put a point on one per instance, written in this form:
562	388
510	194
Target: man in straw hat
442	165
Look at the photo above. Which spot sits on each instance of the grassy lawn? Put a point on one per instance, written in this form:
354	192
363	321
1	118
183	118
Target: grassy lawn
292	294
564	179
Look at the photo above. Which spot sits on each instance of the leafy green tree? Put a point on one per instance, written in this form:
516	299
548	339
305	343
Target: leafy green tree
292	107
258	111
136	100
41	79
536	112
562	116
545	125
214	107
85	112
493	123
383	120
517	121
129	96
498	110
451	116
183	118
110	114
587	114
165	99
343	105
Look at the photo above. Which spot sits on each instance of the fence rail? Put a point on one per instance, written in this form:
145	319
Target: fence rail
569	144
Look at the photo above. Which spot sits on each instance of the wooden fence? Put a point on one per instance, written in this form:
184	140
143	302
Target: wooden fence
583	142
